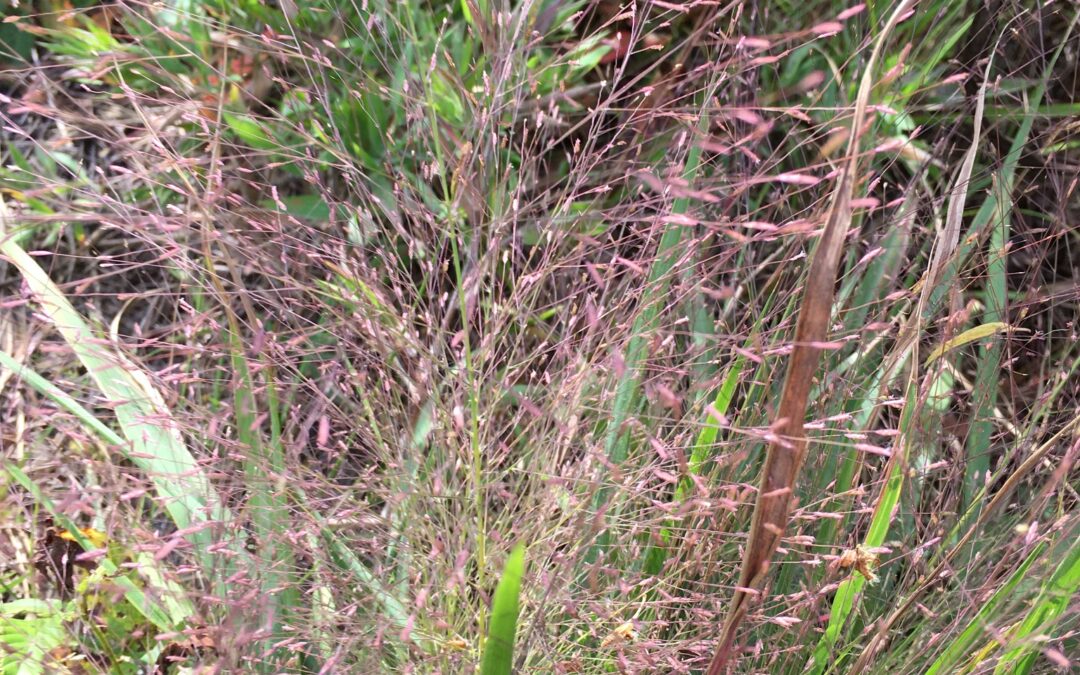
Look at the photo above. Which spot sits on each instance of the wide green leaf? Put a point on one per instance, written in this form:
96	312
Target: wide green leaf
499	646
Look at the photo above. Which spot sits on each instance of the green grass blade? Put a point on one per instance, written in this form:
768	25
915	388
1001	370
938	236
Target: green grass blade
871	287
997	205
1005	177
627	392
173	609
942	52
933	300
499	645
268	502
988	369
656	554
1052	602
341	556
976	629
706	438
845	600
61	398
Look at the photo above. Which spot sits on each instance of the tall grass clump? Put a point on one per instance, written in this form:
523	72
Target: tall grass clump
545	336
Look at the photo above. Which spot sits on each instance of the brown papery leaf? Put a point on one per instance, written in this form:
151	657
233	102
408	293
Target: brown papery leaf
785	455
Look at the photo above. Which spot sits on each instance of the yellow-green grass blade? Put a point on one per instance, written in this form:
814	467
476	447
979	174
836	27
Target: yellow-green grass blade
154	442
970	335
704	444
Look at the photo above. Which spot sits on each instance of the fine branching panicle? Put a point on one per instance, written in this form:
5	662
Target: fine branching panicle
568	336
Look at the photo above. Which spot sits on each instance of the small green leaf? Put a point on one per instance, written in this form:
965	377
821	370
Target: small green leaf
250	132
306	207
588	54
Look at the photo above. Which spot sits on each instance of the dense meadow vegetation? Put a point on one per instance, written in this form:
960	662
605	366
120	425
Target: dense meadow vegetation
539	336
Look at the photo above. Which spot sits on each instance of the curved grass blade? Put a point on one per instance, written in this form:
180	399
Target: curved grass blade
154	443
970	335
499	646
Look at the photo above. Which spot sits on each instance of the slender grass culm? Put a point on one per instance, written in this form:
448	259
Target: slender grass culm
539	336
